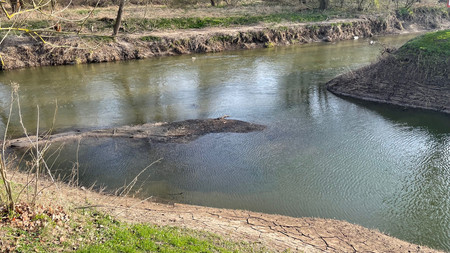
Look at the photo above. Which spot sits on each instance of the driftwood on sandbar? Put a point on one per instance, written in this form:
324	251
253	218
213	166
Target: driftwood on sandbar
174	132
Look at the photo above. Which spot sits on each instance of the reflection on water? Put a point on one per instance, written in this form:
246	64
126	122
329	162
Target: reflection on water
376	165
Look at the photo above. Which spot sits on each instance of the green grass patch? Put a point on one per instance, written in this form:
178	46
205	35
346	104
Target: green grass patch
404	13
431	52
100	38
346	24
122	237
38	24
92	231
430	11
150	38
434	45
146	238
85	12
136	24
29	24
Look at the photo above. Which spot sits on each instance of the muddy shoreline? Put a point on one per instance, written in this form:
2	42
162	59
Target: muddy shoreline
277	233
274	231
24	51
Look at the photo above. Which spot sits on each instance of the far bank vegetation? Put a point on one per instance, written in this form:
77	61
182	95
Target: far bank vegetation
101	20
323	4
100	16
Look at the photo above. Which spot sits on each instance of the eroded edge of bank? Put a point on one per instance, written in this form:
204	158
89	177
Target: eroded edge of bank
24	52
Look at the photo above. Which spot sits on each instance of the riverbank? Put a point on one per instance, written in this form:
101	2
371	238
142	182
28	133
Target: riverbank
89	203
144	38
416	75
263	232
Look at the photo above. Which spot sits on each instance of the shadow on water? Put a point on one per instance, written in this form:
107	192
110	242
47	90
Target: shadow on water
375	165
435	123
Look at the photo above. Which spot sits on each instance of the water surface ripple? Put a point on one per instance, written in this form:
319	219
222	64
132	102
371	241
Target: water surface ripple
323	156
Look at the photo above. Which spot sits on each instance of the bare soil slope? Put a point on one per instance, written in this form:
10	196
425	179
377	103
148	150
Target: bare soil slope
156	31
275	232
417	75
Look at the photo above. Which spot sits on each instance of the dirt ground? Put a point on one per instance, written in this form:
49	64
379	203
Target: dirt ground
95	45
274	232
391	81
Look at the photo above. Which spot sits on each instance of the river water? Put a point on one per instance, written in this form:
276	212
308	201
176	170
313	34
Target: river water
321	155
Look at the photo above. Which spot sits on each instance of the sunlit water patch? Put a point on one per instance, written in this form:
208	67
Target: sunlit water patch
376	165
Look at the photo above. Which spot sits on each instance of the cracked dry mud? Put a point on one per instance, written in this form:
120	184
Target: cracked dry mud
274	232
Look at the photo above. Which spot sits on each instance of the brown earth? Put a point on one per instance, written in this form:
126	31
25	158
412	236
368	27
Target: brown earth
275	232
173	132
92	43
22	52
393	82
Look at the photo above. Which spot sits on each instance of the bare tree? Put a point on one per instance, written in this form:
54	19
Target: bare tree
324	4
3	163
16	5
118	18
18	8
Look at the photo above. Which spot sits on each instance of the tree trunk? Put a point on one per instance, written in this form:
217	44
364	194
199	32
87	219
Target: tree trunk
119	17
14	5
17	5
324	4
213	3
53	4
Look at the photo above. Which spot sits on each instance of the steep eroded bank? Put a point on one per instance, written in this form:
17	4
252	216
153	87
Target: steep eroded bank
22	52
416	75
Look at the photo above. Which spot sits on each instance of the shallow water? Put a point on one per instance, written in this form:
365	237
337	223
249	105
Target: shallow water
324	156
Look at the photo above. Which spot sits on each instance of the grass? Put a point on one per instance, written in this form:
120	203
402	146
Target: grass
136	18
100	38
32	24
150	38
148	238
133	24
435	44
92	231
85	12
430	51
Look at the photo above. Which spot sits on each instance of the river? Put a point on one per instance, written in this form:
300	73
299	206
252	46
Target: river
376	165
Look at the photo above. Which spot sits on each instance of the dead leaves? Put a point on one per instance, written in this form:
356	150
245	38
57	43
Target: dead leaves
32	219
28	221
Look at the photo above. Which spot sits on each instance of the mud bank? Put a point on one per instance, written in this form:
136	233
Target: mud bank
417	75
174	132
23	52
276	233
